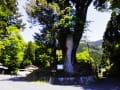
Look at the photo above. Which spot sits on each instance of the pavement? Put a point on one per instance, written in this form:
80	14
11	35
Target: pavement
8	82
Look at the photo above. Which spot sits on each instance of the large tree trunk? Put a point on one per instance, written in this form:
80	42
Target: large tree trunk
81	13
69	42
68	57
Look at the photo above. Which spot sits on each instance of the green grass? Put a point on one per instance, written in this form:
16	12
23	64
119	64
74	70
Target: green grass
42	82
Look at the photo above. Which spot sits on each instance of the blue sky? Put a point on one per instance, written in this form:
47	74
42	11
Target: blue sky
28	32
96	27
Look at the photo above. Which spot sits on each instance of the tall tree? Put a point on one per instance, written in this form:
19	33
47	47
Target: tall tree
111	38
111	43
46	14
8	16
70	25
10	40
13	51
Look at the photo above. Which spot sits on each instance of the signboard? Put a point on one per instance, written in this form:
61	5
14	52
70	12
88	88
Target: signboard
60	67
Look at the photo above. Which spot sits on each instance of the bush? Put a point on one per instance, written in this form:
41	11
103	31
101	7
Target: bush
39	75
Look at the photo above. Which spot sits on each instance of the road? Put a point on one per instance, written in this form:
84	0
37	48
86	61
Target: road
8	82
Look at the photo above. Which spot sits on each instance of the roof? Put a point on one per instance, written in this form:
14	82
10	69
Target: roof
3	67
31	67
1	64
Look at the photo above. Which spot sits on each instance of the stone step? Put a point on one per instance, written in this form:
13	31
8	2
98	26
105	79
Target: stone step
72	80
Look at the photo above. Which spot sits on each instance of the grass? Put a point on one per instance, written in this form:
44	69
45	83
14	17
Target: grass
42	82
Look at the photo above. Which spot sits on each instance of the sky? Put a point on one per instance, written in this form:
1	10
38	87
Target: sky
96	27
98	23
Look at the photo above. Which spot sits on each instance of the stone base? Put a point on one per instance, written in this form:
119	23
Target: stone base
72	80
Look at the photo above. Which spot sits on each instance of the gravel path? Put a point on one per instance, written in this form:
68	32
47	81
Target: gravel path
8	82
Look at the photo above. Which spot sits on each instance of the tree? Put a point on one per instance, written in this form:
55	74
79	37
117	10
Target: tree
43	58
70	25
111	39
111	43
12	53
46	39
29	54
10	40
8	16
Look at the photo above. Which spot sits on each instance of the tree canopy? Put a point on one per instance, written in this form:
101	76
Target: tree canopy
11	42
65	18
111	42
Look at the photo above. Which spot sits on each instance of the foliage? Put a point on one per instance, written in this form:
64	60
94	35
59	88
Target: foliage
9	14
43	57
71	19
82	46
39	75
111	35
111	43
11	43
37	55
12	54
43	8
46	39
83	56
90	52
26	62
93	57
29	52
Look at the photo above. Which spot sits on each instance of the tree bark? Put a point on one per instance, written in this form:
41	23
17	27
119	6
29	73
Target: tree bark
81	13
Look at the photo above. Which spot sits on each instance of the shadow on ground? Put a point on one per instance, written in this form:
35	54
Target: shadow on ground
11	78
17	79
102	84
